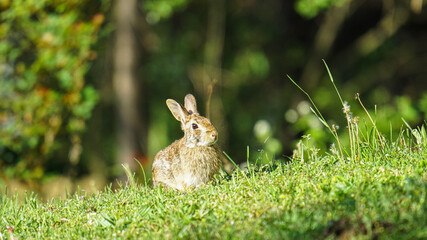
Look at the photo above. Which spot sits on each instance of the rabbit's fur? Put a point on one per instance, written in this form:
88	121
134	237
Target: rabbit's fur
192	160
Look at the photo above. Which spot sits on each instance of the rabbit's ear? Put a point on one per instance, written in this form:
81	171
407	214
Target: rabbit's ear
190	103
177	110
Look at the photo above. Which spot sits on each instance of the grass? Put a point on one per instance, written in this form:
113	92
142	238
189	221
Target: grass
379	196
376	189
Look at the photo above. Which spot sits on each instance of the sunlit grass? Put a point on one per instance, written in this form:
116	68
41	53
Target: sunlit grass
376	188
318	197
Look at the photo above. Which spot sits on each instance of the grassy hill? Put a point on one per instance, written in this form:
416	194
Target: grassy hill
379	192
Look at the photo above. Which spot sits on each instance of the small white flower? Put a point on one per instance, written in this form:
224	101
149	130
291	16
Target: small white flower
346	108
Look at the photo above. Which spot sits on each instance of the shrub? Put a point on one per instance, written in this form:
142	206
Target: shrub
45	52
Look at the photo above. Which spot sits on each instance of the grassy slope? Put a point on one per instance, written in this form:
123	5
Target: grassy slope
383	194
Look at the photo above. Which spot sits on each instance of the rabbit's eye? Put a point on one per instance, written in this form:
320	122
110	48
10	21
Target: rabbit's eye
194	126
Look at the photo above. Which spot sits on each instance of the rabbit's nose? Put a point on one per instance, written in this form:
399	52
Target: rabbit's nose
214	136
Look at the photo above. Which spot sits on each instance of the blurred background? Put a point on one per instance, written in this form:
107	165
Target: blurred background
83	83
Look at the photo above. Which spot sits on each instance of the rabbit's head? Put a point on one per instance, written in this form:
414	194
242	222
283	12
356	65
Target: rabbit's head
198	130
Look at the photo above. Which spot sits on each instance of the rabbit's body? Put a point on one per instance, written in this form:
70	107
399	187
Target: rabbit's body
190	167
194	159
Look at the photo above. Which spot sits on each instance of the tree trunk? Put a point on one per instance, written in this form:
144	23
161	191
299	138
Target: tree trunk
125	84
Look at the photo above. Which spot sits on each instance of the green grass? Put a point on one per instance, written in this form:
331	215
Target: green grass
380	195
373	188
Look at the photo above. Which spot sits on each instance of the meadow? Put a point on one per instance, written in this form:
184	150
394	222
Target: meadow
375	188
382	195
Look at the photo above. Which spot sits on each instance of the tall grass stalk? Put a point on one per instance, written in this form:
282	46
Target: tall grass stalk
319	116
352	122
372	121
347	112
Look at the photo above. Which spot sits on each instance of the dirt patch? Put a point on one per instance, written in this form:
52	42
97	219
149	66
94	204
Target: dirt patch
344	228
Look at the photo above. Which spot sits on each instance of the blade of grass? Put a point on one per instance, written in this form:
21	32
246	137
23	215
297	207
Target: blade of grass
372	121
237	167
332	80
415	132
318	114
143	171
346	112
129	175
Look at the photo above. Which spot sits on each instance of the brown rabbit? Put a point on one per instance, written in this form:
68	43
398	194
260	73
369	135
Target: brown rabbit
194	159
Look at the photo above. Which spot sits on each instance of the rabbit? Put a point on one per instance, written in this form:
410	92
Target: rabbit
192	160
